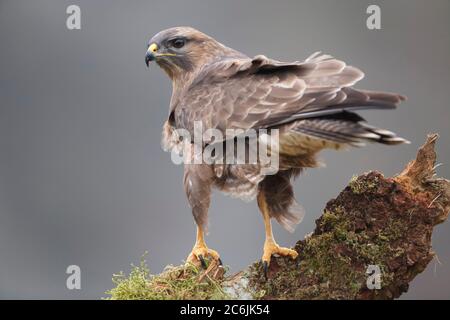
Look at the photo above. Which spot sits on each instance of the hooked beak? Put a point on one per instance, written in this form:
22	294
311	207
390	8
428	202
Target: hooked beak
150	55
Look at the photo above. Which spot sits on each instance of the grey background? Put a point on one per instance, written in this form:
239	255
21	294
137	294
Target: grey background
83	179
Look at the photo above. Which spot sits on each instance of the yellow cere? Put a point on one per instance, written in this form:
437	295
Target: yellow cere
153	47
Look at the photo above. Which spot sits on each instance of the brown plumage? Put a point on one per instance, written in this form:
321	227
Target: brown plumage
312	103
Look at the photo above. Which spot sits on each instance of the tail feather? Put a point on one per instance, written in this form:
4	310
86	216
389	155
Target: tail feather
384	136
340	130
334	119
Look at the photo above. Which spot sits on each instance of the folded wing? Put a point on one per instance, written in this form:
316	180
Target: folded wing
263	93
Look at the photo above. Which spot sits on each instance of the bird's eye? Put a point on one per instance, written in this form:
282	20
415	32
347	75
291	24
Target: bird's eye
178	43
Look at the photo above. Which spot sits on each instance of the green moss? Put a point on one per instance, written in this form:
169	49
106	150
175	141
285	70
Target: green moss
359	185
323	262
396	229
173	283
331	218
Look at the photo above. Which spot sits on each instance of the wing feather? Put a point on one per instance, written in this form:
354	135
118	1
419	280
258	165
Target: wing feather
244	93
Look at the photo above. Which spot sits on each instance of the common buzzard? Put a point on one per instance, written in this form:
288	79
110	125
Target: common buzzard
312	103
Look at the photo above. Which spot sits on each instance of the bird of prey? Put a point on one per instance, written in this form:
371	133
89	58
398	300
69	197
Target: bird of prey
312	103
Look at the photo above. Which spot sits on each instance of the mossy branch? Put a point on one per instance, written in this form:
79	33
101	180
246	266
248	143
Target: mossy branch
378	221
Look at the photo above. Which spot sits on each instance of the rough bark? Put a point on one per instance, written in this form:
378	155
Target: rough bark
375	220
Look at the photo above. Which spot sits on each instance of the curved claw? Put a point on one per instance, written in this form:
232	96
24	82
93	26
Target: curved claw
271	248
200	254
266	269
202	261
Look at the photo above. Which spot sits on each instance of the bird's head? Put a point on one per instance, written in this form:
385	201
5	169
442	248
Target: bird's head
182	50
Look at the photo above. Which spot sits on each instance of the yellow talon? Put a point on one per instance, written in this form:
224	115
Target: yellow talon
200	251
271	248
